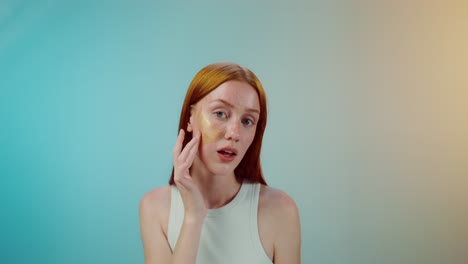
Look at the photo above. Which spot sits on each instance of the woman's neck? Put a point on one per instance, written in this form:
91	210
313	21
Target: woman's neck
217	190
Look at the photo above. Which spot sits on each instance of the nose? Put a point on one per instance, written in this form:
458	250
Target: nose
233	131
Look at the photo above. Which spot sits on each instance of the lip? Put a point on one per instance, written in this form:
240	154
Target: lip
227	158
231	149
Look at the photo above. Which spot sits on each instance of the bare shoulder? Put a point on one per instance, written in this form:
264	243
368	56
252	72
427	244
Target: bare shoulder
155	205
154	213
279	225
276	202
156	198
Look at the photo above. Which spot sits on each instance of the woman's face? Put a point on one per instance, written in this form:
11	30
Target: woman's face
227	119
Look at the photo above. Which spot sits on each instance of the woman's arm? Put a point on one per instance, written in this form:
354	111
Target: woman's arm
279	226
155	207
186	248
287	238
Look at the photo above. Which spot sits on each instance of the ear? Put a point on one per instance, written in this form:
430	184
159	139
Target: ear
189	125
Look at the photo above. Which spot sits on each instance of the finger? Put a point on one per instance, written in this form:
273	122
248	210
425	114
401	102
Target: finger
188	148
178	146
193	152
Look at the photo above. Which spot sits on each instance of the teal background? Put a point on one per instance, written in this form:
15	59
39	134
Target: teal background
367	129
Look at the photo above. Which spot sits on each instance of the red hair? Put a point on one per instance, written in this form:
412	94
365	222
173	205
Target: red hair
208	79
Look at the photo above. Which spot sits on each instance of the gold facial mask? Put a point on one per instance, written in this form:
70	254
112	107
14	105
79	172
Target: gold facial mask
208	130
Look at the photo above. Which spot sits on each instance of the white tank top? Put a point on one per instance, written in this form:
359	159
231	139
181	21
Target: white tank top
229	234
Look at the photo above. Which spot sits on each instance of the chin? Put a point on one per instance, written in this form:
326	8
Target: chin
223	169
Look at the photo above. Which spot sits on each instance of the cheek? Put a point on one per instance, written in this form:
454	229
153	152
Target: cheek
248	139
210	132
251	139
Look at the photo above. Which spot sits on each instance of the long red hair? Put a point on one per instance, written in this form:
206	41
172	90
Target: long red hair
208	79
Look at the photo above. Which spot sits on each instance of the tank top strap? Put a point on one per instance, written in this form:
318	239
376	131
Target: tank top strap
254	234
176	217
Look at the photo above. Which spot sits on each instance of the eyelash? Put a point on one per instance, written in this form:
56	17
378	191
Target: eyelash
221	114
249	120
217	113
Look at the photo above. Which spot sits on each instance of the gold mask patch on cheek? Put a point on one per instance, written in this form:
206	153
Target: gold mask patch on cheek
208	130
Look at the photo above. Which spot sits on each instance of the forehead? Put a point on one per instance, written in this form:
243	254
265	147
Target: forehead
239	94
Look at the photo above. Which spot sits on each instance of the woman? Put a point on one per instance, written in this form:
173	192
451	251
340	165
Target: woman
217	207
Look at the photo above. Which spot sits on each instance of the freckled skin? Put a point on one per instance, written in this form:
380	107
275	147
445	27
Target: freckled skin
210	133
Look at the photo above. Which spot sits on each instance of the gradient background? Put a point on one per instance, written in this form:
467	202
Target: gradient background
368	124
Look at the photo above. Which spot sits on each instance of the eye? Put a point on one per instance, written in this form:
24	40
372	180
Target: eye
248	122
220	114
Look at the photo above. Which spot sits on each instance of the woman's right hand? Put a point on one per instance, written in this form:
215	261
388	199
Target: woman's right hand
194	205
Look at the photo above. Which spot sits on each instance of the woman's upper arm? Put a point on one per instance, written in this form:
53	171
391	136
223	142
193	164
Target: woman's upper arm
154	209
287	246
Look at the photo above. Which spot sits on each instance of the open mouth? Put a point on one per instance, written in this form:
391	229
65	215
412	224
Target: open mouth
227	153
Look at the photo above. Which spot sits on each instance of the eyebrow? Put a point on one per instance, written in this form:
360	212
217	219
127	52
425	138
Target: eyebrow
231	105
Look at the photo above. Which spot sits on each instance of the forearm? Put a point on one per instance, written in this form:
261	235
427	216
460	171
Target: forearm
186	248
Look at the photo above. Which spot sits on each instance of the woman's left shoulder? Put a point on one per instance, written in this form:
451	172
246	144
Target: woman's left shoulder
277	203
279	225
